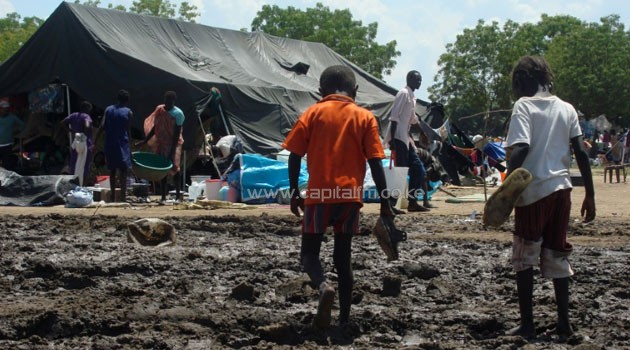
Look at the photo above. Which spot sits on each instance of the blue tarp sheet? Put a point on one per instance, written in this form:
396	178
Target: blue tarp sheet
495	151
262	178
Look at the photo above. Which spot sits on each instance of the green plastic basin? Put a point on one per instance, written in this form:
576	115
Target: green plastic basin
150	166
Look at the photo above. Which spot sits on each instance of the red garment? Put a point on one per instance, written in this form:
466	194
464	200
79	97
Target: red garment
162	142
547	218
343	217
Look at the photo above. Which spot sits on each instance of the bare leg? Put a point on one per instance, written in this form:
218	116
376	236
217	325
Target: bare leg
309	256
342	255
425	197
525	288
177	179
311	245
163	188
123	185
112	185
561	289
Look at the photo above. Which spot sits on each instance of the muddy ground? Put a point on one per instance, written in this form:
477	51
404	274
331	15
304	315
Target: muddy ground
71	281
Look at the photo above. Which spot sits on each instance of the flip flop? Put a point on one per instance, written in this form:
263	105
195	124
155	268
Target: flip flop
500	204
388	236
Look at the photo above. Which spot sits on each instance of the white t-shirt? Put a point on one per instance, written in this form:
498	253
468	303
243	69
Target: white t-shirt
403	113
546	124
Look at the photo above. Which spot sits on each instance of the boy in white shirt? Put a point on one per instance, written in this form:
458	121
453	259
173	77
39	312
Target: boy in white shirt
542	130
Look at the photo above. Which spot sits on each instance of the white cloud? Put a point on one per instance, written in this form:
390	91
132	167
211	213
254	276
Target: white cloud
200	7
530	11
422	32
361	9
6	7
473	3
231	14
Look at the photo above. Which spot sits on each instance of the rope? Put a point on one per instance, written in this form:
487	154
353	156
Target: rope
486	112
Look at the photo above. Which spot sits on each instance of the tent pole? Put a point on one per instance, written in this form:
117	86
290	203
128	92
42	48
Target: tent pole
205	144
21	157
483	172
67	114
225	125
183	180
67	98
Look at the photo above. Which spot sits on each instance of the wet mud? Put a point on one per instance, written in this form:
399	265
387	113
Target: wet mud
75	282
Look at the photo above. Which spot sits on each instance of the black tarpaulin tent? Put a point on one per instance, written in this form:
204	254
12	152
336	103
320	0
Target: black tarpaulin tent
265	81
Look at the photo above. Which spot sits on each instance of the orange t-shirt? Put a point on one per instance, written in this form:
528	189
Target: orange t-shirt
339	137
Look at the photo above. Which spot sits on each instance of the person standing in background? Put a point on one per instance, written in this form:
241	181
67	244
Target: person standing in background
117	124
8	123
163	129
82	144
402	116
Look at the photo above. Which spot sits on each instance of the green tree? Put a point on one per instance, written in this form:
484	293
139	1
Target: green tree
188	12
474	75
166	9
94	3
14	32
117	7
336	29
589	60
590	67
97	3
158	8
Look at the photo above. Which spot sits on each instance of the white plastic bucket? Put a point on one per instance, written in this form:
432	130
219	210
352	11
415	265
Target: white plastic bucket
213	186
196	190
396	178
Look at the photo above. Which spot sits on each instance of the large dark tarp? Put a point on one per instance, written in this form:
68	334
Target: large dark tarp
266	81
34	190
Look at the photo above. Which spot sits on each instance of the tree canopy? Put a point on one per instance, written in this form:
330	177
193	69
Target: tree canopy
14	32
592	69
337	29
158	8
589	61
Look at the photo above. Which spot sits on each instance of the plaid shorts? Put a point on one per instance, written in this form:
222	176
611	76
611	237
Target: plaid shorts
548	219
343	217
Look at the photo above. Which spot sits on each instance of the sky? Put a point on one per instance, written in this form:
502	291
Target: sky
421	28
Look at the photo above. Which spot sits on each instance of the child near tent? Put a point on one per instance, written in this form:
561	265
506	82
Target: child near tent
338	137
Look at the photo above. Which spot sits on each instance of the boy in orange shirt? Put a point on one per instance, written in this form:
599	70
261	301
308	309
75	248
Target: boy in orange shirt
338	137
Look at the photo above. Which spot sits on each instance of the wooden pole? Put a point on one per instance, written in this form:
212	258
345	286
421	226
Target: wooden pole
447	192
483	172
